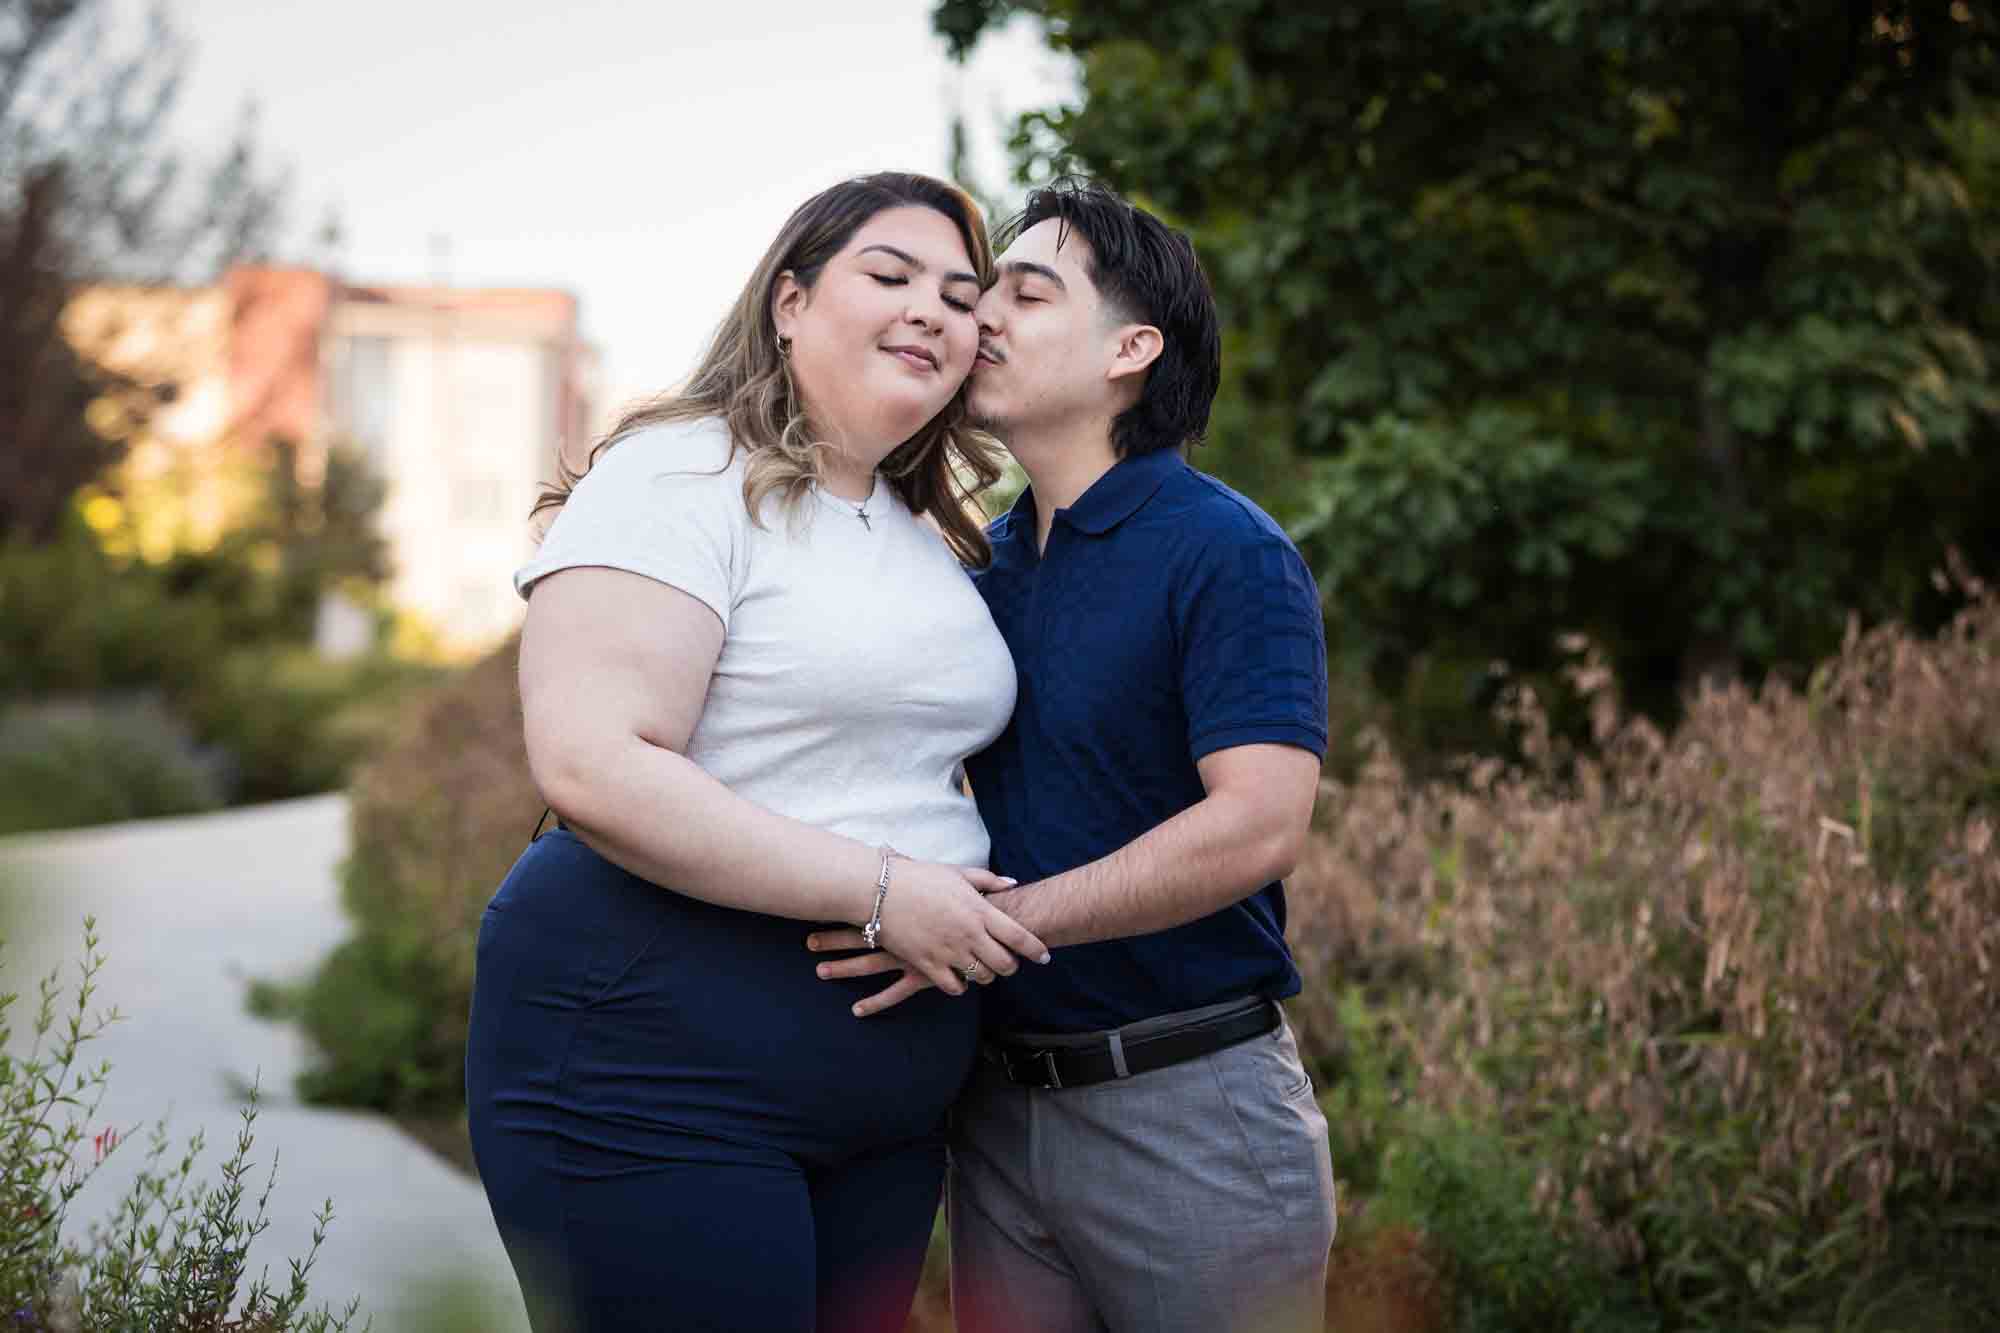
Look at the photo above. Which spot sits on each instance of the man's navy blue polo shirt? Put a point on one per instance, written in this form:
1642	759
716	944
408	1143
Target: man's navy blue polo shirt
1168	618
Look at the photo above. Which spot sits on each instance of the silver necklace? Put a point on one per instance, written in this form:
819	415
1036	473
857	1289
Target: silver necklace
860	510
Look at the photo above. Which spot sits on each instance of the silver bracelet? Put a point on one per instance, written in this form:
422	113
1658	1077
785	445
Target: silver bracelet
871	934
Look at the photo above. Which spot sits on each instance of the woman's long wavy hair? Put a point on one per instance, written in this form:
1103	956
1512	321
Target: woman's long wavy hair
746	382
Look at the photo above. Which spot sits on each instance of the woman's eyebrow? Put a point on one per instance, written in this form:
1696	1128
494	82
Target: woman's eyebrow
918	264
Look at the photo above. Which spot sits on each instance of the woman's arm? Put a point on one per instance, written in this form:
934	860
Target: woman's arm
614	671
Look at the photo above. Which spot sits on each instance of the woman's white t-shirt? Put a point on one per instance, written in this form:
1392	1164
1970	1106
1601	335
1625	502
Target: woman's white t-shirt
859	666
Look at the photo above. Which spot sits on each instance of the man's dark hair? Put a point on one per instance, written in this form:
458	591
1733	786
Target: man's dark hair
1146	271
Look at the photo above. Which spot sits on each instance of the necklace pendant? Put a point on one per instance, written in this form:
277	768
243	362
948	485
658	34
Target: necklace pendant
862	514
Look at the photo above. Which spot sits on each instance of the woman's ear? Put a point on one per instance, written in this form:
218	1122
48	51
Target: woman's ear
788	297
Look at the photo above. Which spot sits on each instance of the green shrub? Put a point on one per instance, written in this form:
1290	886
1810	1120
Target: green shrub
438	817
76	621
94	761
195	634
175	1253
1727	995
1940	1279
221	636
1507	1266
293	722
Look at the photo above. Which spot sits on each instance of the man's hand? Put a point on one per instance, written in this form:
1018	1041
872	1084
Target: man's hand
873	964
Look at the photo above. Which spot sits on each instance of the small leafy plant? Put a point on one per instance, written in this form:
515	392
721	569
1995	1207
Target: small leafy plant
175	1253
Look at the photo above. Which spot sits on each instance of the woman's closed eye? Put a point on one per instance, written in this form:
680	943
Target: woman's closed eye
963	307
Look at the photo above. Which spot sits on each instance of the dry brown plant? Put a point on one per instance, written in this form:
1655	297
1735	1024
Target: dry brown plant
1387	1281
441	814
1733	987
437	818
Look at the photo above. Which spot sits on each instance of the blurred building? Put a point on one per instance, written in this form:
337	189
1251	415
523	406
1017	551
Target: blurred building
461	398
173	341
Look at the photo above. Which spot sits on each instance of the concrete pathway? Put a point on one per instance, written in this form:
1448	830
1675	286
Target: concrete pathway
188	911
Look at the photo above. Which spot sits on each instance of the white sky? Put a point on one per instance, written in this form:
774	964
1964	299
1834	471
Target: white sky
637	153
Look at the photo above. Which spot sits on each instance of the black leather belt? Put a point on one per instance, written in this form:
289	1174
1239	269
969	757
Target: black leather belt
1102	1061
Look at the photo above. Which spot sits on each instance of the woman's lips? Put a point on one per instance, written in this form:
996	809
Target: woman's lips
914	356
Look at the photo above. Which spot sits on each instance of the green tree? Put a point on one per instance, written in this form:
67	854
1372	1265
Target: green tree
1673	321
267	575
93	189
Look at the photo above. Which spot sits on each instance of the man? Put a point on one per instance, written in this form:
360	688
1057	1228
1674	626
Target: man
1140	1148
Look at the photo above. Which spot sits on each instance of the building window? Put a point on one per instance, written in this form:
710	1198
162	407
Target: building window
364	395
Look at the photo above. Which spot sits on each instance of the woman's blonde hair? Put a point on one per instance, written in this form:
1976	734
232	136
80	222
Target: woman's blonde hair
744	380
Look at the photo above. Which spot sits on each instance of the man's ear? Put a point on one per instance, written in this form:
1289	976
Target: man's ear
1139	346
788	297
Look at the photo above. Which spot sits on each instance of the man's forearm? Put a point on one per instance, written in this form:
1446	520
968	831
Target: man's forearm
1216	852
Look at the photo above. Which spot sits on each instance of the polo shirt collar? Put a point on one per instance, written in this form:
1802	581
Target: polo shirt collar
1111	499
1117	495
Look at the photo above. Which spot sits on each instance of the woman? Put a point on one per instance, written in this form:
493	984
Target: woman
747	672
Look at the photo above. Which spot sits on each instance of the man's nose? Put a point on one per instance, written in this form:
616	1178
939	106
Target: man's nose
987	315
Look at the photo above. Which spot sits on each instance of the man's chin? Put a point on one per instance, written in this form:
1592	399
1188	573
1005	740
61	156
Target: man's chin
985	416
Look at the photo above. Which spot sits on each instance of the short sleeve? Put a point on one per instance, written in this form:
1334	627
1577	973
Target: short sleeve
662	503
1253	646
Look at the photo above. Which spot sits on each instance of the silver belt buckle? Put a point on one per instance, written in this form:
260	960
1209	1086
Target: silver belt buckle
1034	1062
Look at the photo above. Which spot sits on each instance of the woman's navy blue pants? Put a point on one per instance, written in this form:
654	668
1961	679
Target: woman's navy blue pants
679	1126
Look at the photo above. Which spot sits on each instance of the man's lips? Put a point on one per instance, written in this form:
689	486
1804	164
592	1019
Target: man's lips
914	354
987	356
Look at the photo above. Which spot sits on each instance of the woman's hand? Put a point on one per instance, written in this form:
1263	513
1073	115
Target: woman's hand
936	928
